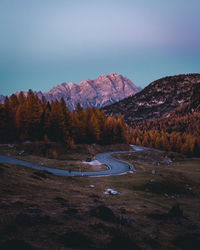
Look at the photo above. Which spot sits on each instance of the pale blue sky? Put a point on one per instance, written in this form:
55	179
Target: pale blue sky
46	42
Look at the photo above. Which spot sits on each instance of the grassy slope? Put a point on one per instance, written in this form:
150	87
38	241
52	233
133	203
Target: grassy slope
41	209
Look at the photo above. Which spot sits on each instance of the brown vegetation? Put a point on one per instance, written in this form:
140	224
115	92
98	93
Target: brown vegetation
29	118
43	211
178	132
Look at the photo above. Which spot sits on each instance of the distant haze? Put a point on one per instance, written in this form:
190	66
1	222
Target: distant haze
46	42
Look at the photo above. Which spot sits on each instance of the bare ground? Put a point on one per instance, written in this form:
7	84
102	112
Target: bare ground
42	211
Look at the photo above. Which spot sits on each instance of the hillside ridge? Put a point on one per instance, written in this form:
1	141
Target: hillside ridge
159	98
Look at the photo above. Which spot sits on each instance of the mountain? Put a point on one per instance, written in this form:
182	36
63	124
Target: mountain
159	98
104	90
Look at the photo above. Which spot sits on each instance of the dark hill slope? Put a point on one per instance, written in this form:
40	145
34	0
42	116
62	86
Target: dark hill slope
160	98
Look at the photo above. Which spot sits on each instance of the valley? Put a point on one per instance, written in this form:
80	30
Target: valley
154	207
99	125
107	165
45	211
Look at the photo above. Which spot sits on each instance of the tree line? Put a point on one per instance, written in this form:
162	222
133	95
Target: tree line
30	118
178	132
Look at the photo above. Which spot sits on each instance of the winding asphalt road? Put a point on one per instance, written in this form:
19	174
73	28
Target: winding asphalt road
115	166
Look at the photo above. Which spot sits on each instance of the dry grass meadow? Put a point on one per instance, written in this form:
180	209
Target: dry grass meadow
152	211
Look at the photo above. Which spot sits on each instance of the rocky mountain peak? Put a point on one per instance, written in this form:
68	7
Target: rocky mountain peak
104	90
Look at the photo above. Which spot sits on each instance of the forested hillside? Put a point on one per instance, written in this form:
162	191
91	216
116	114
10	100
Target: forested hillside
180	133
165	114
29	118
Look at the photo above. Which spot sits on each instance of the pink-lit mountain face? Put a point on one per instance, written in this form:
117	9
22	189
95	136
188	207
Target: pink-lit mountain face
104	90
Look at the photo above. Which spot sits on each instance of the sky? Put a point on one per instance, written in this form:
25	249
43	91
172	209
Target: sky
46	42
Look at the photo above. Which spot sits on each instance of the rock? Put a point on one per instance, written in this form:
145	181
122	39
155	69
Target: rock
188	187
27	142
110	191
166	161
21	152
153	172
